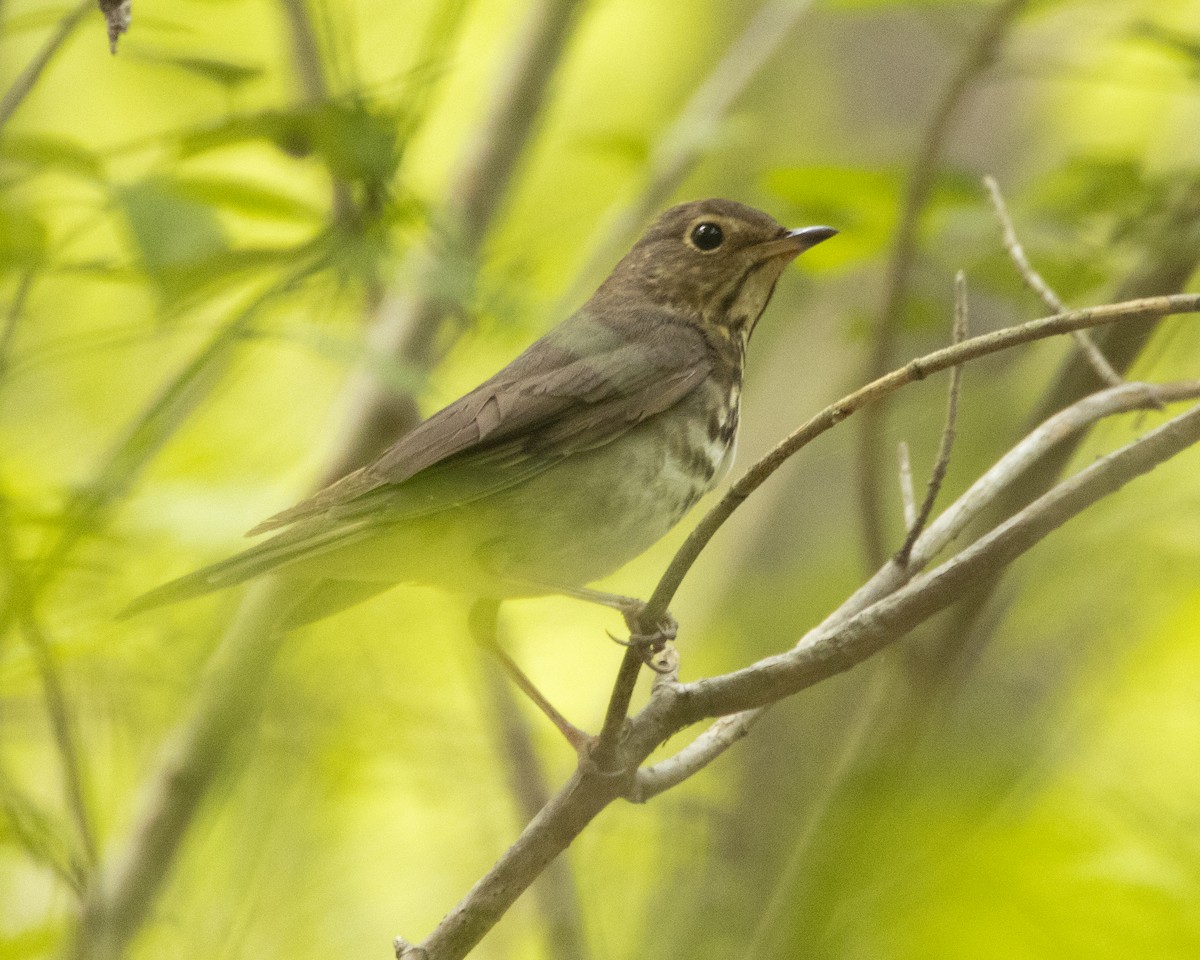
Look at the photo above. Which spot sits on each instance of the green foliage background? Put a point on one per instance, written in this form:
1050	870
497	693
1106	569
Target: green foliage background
175	205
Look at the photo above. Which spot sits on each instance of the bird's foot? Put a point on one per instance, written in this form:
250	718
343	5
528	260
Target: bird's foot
650	644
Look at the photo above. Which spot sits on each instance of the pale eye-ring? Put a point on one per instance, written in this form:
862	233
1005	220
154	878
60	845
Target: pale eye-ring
707	236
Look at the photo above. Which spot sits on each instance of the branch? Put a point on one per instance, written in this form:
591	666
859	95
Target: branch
978	58
946	447
1034	281
916	369
604	754
1171	256
1007	472
833	648
556	892
840	646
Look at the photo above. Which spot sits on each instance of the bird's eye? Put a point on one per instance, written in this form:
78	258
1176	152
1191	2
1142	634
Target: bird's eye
707	236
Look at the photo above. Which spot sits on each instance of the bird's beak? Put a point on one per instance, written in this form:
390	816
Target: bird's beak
794	242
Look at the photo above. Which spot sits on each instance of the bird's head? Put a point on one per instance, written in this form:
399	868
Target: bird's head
715	261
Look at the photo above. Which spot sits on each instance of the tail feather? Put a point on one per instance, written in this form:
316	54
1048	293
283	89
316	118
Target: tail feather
277	553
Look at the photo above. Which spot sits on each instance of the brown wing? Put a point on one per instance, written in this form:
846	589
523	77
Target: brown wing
579	387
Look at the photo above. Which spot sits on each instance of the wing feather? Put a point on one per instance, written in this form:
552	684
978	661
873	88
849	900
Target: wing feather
579	387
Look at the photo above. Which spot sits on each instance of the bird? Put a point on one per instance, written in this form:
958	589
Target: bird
569	462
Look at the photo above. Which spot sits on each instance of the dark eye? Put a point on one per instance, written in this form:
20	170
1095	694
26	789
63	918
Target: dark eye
707	236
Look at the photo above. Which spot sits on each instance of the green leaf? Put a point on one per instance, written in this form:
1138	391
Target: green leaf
23	238
358	143
170	231
225	73
860	203
248	199
46	151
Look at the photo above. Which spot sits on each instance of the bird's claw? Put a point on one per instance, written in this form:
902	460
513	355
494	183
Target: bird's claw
648	645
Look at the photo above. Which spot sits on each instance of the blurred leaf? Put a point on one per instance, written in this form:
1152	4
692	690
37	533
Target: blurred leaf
1184	46
170	231
248	199
225	73
907	4
38	941
860	203
357	143
23	236
1091	187
43	151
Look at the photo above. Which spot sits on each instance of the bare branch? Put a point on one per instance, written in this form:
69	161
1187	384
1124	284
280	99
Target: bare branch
833	650
727	730
916	369
556	892
604	754
834	647
1038	285
946	447
722	734
976	61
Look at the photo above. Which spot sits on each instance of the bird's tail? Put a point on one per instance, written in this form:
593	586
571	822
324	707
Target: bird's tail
279	552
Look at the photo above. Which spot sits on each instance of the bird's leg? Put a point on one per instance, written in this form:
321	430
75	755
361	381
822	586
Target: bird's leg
648	643
483	629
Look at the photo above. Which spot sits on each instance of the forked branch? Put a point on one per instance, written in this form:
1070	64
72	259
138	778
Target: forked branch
890	605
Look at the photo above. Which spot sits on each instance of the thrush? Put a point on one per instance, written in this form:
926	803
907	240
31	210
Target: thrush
572	460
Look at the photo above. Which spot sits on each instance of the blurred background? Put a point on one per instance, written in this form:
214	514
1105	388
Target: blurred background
214	245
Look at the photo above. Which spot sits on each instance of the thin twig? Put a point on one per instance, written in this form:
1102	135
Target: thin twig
917	369
975	62
1059	430
58	710
556	892
1171	256
828	651
946	447
483	628
15	95
1036	283
604	753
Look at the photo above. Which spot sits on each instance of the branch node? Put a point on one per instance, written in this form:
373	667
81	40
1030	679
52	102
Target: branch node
408	951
